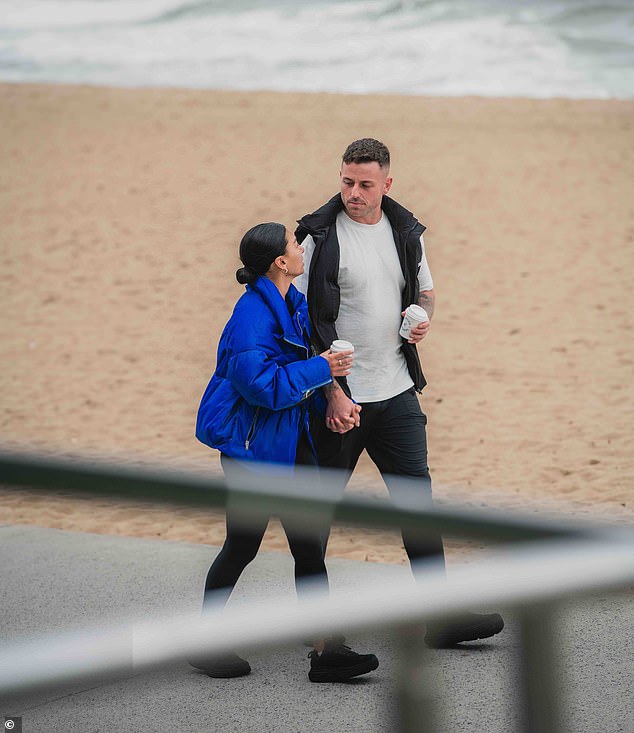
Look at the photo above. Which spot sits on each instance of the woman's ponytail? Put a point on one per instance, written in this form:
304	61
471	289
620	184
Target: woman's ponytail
258	249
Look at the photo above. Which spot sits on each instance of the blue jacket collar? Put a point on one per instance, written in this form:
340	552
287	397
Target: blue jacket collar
292	326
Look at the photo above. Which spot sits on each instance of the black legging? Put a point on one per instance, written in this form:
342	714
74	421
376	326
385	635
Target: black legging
244	537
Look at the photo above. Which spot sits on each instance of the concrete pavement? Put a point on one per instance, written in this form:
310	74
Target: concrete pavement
54	580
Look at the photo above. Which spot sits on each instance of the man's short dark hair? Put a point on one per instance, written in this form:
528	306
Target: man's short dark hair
367	150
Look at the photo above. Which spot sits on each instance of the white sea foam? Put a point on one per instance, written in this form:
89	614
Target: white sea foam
546	48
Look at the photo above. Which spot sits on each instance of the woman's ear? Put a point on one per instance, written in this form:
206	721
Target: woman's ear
281	263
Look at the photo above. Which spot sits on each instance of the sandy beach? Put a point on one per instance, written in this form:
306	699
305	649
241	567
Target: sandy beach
121	215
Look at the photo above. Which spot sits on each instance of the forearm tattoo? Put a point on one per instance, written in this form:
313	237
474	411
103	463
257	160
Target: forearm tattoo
426	300
332	387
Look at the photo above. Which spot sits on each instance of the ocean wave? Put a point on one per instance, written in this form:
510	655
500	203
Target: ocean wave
570	48
195	9
25	16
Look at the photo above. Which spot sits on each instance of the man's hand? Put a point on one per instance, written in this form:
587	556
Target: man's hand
418	333
342	413
427	301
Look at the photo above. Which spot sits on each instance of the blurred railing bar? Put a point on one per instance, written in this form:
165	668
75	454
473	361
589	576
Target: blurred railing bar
415	713
523	577
276	496
540	692
415	709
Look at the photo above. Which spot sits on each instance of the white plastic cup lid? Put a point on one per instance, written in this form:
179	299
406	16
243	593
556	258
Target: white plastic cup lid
341	345
416	313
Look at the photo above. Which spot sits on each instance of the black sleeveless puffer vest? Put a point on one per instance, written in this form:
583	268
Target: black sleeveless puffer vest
323	289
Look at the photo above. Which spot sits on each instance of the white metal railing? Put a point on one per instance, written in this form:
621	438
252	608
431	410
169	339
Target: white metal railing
548	562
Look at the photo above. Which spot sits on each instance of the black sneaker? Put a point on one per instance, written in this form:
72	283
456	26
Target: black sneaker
338	663
468	627
223	666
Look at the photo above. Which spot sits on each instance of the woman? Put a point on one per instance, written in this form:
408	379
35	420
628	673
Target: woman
256	410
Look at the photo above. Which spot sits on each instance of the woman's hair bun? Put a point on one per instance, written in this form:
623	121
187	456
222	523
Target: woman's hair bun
246	275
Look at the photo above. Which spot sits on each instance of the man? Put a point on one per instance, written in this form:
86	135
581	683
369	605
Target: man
364	263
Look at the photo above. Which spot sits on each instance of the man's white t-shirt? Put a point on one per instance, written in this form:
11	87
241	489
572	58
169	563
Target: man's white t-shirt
370	283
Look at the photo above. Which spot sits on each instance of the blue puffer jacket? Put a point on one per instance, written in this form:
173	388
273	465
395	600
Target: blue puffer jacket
258	398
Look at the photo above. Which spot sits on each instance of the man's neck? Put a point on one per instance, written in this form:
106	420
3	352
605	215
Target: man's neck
370	219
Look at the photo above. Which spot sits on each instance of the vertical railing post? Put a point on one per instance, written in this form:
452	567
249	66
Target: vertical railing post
540	670
414	707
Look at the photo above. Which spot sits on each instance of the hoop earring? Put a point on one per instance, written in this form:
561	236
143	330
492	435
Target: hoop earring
286	270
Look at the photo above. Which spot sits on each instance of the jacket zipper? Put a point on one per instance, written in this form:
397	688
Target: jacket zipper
308	354
251	429
309	392
296	345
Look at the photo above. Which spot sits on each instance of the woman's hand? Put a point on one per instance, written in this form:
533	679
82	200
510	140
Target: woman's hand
340	363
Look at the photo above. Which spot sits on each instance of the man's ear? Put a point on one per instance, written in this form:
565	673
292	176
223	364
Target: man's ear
388	184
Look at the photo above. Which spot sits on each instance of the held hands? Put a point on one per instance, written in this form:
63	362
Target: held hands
342	413
340	363
418	332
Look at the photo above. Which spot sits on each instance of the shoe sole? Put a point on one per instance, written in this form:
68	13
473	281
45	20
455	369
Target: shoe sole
343	674
221	672
475	632
225	674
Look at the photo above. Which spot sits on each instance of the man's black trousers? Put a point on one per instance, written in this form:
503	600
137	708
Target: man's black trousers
393	432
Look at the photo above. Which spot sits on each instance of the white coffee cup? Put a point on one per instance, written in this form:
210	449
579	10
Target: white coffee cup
414	316
340	345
